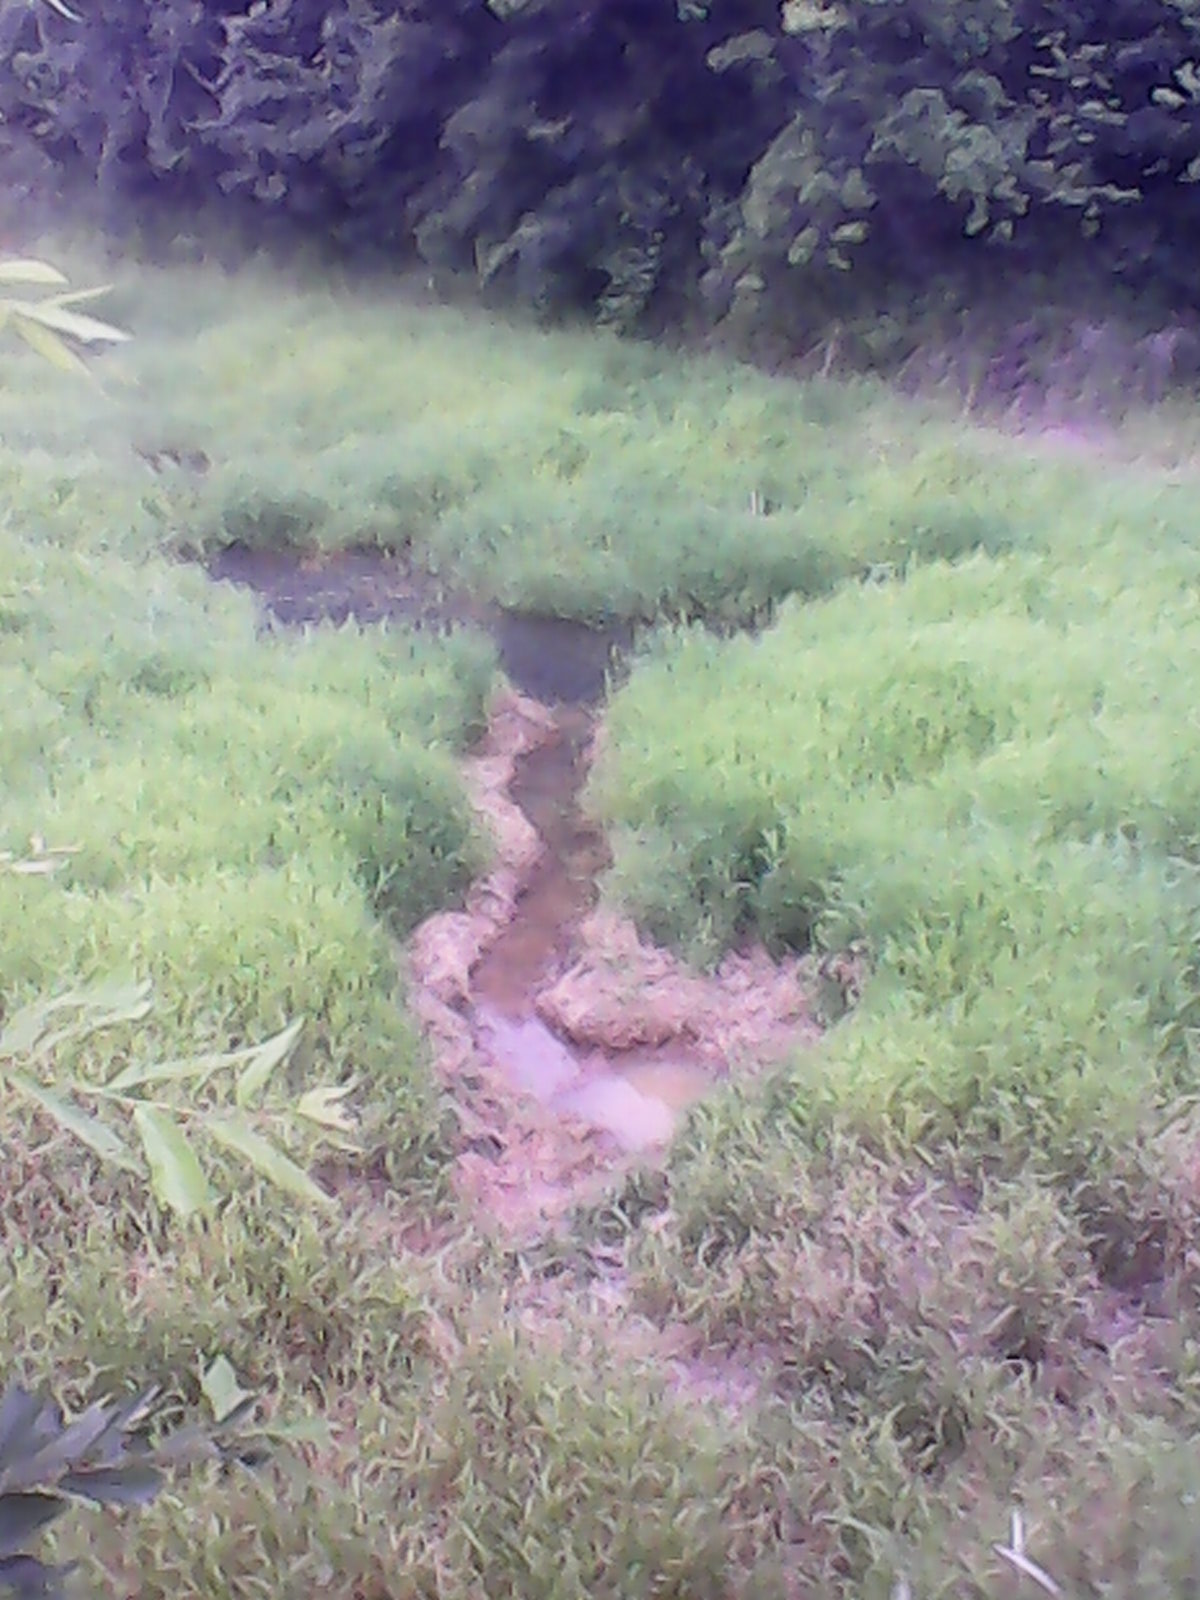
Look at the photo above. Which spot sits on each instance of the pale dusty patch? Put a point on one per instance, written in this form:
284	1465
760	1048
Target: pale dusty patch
519	1165
446	946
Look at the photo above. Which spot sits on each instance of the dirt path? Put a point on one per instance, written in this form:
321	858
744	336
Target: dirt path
569	1047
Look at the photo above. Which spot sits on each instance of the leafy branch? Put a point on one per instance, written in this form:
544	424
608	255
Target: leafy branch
112	1119
49	324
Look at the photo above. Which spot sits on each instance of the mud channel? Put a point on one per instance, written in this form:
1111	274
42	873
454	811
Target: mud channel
569	1047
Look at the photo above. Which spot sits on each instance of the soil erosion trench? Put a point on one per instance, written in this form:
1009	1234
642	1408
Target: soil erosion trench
569	1046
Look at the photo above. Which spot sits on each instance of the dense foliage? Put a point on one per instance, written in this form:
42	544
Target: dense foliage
647	159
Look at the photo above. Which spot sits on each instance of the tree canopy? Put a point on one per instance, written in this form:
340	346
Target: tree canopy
649	160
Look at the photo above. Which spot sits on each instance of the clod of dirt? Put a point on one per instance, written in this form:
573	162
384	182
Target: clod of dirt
623	994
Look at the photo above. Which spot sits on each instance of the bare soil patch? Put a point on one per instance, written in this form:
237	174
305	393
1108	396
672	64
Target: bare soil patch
568	1044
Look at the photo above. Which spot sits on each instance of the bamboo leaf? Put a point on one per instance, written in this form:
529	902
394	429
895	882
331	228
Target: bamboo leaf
222	1390
23	1515
133	1485
263	1061
89	1130
323	1105
23	269
237	1135
68	1446
177	1070
23	1030
78	296
88	330
28	1031
47	344
24	1419
176	1173
181	1068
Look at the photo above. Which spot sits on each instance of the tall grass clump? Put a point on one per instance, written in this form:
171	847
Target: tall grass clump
553	471
993	792
247	819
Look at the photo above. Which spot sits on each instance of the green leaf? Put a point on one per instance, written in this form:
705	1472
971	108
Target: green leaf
23	1420
221	1389
304	1430
173	1071
236	1134
263	1061
323	1105
89	1130
68	1445
28	1030
23	269
25	1027
122	1486
77	296
88	330
182	1068
47	344
177	1175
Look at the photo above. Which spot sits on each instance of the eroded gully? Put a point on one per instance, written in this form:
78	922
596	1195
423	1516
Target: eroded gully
568	1046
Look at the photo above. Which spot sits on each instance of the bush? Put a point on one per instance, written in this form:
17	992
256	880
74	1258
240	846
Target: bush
555	150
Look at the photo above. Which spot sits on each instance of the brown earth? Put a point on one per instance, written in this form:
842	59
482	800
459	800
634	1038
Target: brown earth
561	1088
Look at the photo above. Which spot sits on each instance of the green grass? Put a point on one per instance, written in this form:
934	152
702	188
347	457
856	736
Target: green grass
956	1242
251	818
568	473
998	794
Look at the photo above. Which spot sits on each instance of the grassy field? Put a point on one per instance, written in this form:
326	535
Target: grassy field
956	1244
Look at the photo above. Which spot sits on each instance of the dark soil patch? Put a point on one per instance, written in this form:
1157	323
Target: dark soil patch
553	659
